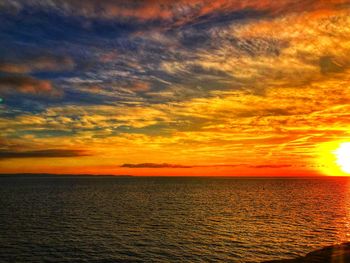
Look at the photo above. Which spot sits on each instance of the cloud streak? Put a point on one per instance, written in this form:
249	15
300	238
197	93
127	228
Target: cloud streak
41	63
50	153
154	165
167	165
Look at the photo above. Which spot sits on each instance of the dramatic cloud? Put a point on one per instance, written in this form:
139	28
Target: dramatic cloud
221	87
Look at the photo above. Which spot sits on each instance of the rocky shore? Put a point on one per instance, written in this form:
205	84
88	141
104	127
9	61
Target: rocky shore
333	254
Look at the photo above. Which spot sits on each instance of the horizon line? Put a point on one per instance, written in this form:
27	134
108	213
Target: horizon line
169	176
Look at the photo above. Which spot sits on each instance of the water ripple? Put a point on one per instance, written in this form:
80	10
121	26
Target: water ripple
169	219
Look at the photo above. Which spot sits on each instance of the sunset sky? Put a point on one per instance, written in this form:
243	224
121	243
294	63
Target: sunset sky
201	87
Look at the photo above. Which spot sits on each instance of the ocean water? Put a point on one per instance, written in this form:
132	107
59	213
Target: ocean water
91	219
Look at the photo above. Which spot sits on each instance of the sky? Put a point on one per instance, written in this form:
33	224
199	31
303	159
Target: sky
224	87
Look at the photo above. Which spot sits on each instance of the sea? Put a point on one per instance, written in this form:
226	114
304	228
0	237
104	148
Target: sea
169	219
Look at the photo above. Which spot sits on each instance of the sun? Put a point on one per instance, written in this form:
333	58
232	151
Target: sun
343	157
333	158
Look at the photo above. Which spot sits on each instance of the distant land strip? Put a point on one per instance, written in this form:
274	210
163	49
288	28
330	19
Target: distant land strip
330	254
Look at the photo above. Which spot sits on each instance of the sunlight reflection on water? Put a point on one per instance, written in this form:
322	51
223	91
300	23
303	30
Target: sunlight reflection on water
170	219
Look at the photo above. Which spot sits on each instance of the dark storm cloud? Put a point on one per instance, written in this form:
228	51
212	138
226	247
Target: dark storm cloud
51	153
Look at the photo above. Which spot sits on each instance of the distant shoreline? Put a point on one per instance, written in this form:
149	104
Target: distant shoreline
329	254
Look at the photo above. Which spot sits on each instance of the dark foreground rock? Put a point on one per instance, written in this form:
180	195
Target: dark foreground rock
332	254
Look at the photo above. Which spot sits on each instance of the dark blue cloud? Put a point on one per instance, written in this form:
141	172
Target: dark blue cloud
114	53
40	28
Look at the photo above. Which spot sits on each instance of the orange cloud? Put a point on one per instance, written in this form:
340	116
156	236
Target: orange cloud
140	87
35	64
27	85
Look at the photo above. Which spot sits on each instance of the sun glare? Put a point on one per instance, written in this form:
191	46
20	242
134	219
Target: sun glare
343	157
334	158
